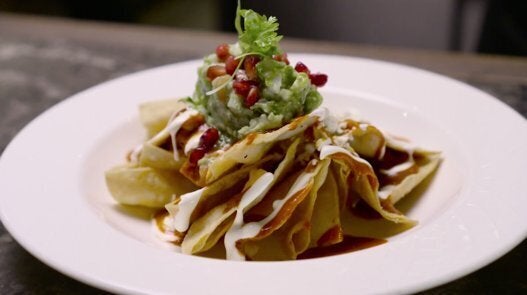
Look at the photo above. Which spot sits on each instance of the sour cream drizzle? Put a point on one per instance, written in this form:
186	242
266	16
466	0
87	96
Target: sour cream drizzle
383	151
243	231
251	197
327	150
363	126
160	226
398	168
385	191
174	124
183	210
193	142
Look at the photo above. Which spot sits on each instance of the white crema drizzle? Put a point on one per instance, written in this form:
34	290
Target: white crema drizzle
182	211
327	150
193	142
174	124
240	231
398	168
385	191
237	230
383	151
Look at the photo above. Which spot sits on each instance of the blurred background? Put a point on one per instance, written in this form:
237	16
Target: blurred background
486	26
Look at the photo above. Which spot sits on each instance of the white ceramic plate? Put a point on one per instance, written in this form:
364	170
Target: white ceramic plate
54	202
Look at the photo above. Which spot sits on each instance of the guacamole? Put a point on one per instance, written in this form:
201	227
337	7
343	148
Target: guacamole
249	86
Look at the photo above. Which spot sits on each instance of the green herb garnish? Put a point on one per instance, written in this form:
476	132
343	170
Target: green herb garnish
259	33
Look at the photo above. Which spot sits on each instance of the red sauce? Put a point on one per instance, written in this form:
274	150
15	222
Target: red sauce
311	166
397	178
349	244
192	173
159	217
167	144
253	217
309	134
331	236
285	212
388	206
390	159
250	138
294	124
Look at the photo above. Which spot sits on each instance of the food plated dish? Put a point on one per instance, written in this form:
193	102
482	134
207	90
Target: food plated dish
291	213
455	213
462	226
253	162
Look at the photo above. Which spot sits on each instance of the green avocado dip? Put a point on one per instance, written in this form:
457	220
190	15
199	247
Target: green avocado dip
249	86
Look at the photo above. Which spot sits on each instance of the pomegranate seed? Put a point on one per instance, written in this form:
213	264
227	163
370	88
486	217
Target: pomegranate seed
250	67
215	71
222	51
241	87
231	64
209	138
196	155
318	79
253	97
281	57
301	68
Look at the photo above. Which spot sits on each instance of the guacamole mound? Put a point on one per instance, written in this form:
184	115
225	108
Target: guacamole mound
227	99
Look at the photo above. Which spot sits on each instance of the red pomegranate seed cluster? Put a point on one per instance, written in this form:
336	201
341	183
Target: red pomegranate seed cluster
252	97
196	155
242	86
246	81
249	64
222	51
317	79
206	142
301	68
209	138
231	64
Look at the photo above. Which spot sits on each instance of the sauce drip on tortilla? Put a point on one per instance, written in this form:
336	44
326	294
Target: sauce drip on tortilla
168	234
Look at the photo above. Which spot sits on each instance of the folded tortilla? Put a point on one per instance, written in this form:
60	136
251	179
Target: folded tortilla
273	195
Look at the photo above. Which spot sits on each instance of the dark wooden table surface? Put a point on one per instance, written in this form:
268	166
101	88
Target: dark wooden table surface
44	60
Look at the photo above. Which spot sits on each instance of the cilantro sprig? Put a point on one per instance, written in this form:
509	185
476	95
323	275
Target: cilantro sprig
257	37
259	33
